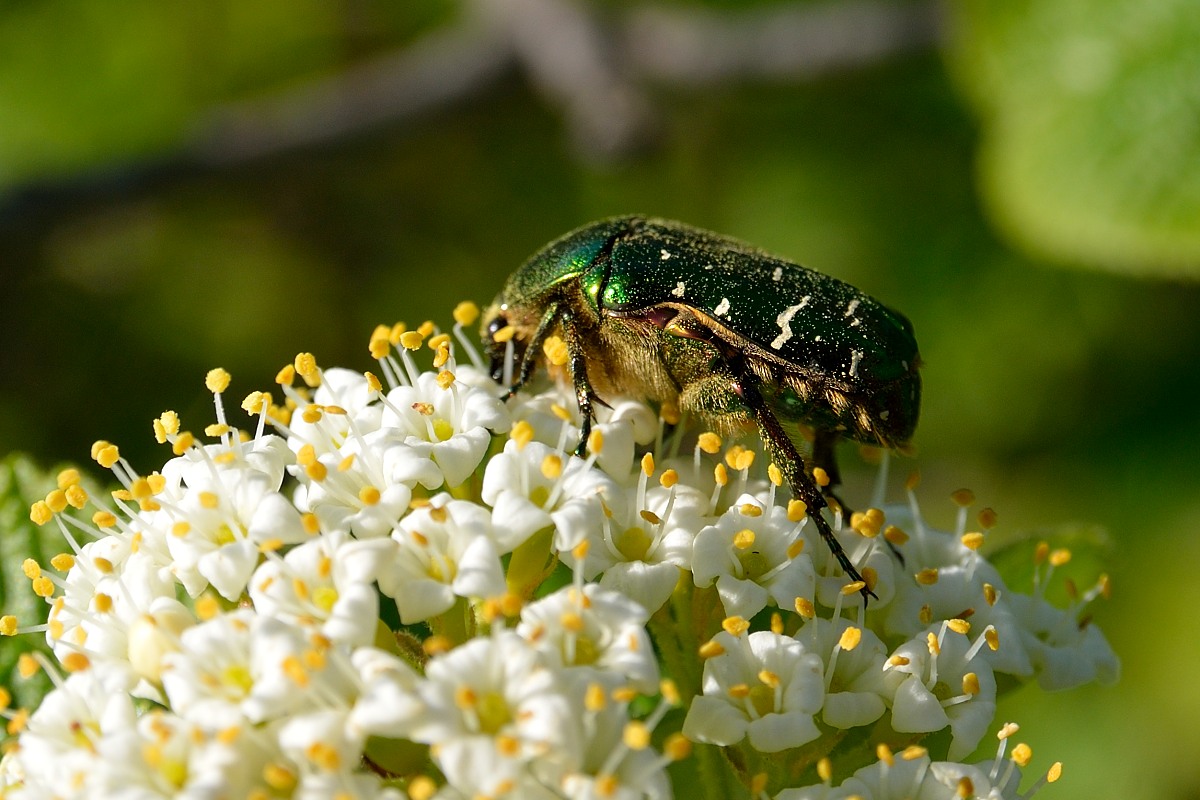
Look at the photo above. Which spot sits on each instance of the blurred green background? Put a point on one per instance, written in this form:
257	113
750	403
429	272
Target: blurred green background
184	186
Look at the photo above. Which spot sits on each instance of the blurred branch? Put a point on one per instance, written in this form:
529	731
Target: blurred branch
594	67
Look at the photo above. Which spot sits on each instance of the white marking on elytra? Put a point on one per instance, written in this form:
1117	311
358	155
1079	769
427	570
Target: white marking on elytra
722	309
855	357
777	275
679	289
853	305
666	254
784	321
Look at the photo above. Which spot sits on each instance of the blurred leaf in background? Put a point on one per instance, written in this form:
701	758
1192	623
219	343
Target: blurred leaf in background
1091	126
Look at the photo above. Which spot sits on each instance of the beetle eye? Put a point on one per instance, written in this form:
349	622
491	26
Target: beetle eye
495	325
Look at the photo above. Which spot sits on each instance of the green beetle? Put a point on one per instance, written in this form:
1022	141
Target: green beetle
671	313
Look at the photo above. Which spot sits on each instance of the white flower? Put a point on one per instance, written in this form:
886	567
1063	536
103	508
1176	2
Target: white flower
240	667
855	691
755	556
596	630
764	686
451	426
60	743
366	486
491	707
341	407
532	487
388	703
941	678
1065	652
223	515
445	550
641	551
329	580
622	423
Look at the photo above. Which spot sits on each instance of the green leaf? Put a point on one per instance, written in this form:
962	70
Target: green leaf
1090	116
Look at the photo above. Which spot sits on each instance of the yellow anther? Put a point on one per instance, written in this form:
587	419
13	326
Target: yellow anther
67	478
1055	772
850	638
217	380
40	513
8	627
209	500
745	459
465	313
102	602
650	516
821	477
595	442
636	736
580	550
105	454
316	471
965	788
750	510
395	331
426	328
970	683
796	510
504	334
1060	557
648	464
306	368
774	475
668	479
733	454
438	341
960	626
552	466
963	497
990	595
1007	729
870	577
31	569
720	475
925	614
445	379
927	576
347	463
739	691
369	495
677	747
852	587
379	347
556	351
561	412
987	519
423	408
255	402
522	434
776	623
825	769
884	754
743	539
77	497
670	692
758	784
411	340
709	442
735	626
972	540
795	548
1022	754
899	661
670	413
104	519
76	662
912	481
216	430
895	535
992	637
932	644
307	454
913	752
805	608
442	355
57	500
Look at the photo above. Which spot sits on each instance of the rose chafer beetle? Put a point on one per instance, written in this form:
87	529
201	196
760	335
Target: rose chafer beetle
674	314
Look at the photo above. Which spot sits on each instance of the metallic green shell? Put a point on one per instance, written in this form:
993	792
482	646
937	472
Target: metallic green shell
803	317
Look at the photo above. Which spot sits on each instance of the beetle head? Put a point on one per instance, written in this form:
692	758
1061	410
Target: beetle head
501	342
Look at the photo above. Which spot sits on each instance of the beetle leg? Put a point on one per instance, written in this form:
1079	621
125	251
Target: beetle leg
783	452
532	348
823	456
584	396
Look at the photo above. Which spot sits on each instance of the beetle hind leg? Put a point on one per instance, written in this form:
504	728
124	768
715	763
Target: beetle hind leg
790	463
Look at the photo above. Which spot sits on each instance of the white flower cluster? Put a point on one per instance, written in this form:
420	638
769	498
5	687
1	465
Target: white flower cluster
415	587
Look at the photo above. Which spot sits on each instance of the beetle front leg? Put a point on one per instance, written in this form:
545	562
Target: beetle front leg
791	465
532	348
584	396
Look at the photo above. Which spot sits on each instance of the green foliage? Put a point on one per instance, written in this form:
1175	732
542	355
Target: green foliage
1090	153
